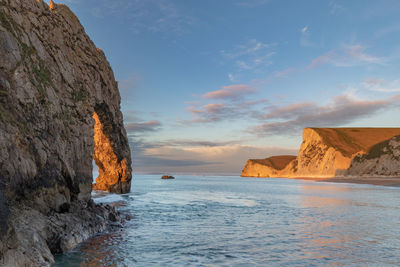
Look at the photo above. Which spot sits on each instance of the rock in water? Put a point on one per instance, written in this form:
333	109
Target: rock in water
167	177
59	110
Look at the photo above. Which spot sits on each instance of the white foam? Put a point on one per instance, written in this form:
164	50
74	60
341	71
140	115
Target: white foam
107	198
189	197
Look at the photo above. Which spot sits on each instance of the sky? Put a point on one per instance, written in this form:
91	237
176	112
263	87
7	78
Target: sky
206	85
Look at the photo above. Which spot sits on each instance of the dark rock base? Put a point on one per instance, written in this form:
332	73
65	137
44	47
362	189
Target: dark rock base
33	237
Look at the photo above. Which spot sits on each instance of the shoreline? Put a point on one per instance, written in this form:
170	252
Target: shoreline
384	181
381	181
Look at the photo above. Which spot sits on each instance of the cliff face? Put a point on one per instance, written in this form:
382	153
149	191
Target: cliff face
269	167
53	80
383	159
333	152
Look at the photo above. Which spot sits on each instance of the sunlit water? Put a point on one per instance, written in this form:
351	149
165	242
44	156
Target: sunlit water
233	221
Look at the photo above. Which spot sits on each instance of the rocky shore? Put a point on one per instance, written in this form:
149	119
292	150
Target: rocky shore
37	235
59	111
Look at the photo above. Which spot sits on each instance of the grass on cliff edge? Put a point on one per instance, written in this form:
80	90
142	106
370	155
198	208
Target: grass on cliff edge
352	140
276	162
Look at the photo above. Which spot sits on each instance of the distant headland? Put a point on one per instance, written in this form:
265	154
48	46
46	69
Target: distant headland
336	153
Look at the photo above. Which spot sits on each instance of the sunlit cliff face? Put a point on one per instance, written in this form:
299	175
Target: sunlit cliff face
112	172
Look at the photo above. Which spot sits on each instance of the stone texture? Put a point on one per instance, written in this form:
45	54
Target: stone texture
383	160
329	152
269	167
114	174
52	80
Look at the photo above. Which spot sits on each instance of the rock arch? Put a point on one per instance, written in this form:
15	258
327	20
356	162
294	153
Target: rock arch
110	154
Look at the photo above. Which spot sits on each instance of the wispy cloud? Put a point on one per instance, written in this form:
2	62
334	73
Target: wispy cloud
305	37
145	16
252	3
343	109
127	86
335	7
348	56
213	112
233	102
180	156
140	127
275	75
230	92
388	30
383	86
251	55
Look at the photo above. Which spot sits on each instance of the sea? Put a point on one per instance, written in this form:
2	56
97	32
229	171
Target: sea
234	221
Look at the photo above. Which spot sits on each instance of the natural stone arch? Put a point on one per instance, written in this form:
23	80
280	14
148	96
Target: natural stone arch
114	167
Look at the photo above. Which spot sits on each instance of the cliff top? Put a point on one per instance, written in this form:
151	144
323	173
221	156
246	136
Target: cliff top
276	162
352	140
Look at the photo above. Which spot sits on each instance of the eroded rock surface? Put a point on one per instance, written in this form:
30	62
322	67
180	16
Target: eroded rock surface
269	167
114	173
383	160
53	79
329	152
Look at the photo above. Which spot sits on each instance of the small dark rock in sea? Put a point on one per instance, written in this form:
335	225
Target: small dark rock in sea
167	177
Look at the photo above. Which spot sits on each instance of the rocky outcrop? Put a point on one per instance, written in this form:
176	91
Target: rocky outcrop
53	80
269	167
166	177
383	160
328	152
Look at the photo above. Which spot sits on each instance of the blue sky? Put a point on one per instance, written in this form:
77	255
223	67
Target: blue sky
206	85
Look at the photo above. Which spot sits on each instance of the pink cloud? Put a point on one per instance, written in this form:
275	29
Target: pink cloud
322	59
230	92
380	85
348	56
340	111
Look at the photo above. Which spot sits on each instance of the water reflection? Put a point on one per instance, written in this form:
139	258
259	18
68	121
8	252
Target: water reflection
329	227
102	250
211	221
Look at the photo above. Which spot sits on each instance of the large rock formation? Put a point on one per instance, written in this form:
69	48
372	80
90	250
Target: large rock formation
335	152
53	80
269	167
382	160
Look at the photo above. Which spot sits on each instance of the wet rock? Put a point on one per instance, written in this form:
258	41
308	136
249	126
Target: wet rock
167	177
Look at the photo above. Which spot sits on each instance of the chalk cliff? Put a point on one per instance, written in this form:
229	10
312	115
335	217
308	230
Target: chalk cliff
335	152
269	167
383	159
59	110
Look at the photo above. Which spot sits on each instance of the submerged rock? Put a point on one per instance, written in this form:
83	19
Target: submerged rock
59	105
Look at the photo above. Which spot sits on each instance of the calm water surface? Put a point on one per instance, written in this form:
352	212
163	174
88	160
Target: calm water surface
233	221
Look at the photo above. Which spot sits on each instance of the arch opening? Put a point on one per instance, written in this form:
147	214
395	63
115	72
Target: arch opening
113	172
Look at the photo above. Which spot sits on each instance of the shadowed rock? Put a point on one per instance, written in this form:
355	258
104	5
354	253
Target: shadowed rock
53	80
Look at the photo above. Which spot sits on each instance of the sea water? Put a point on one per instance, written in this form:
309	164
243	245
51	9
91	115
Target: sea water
233	221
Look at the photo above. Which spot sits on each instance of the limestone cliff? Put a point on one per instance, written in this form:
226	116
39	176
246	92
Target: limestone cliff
53	81
269	167
383	159
329	152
